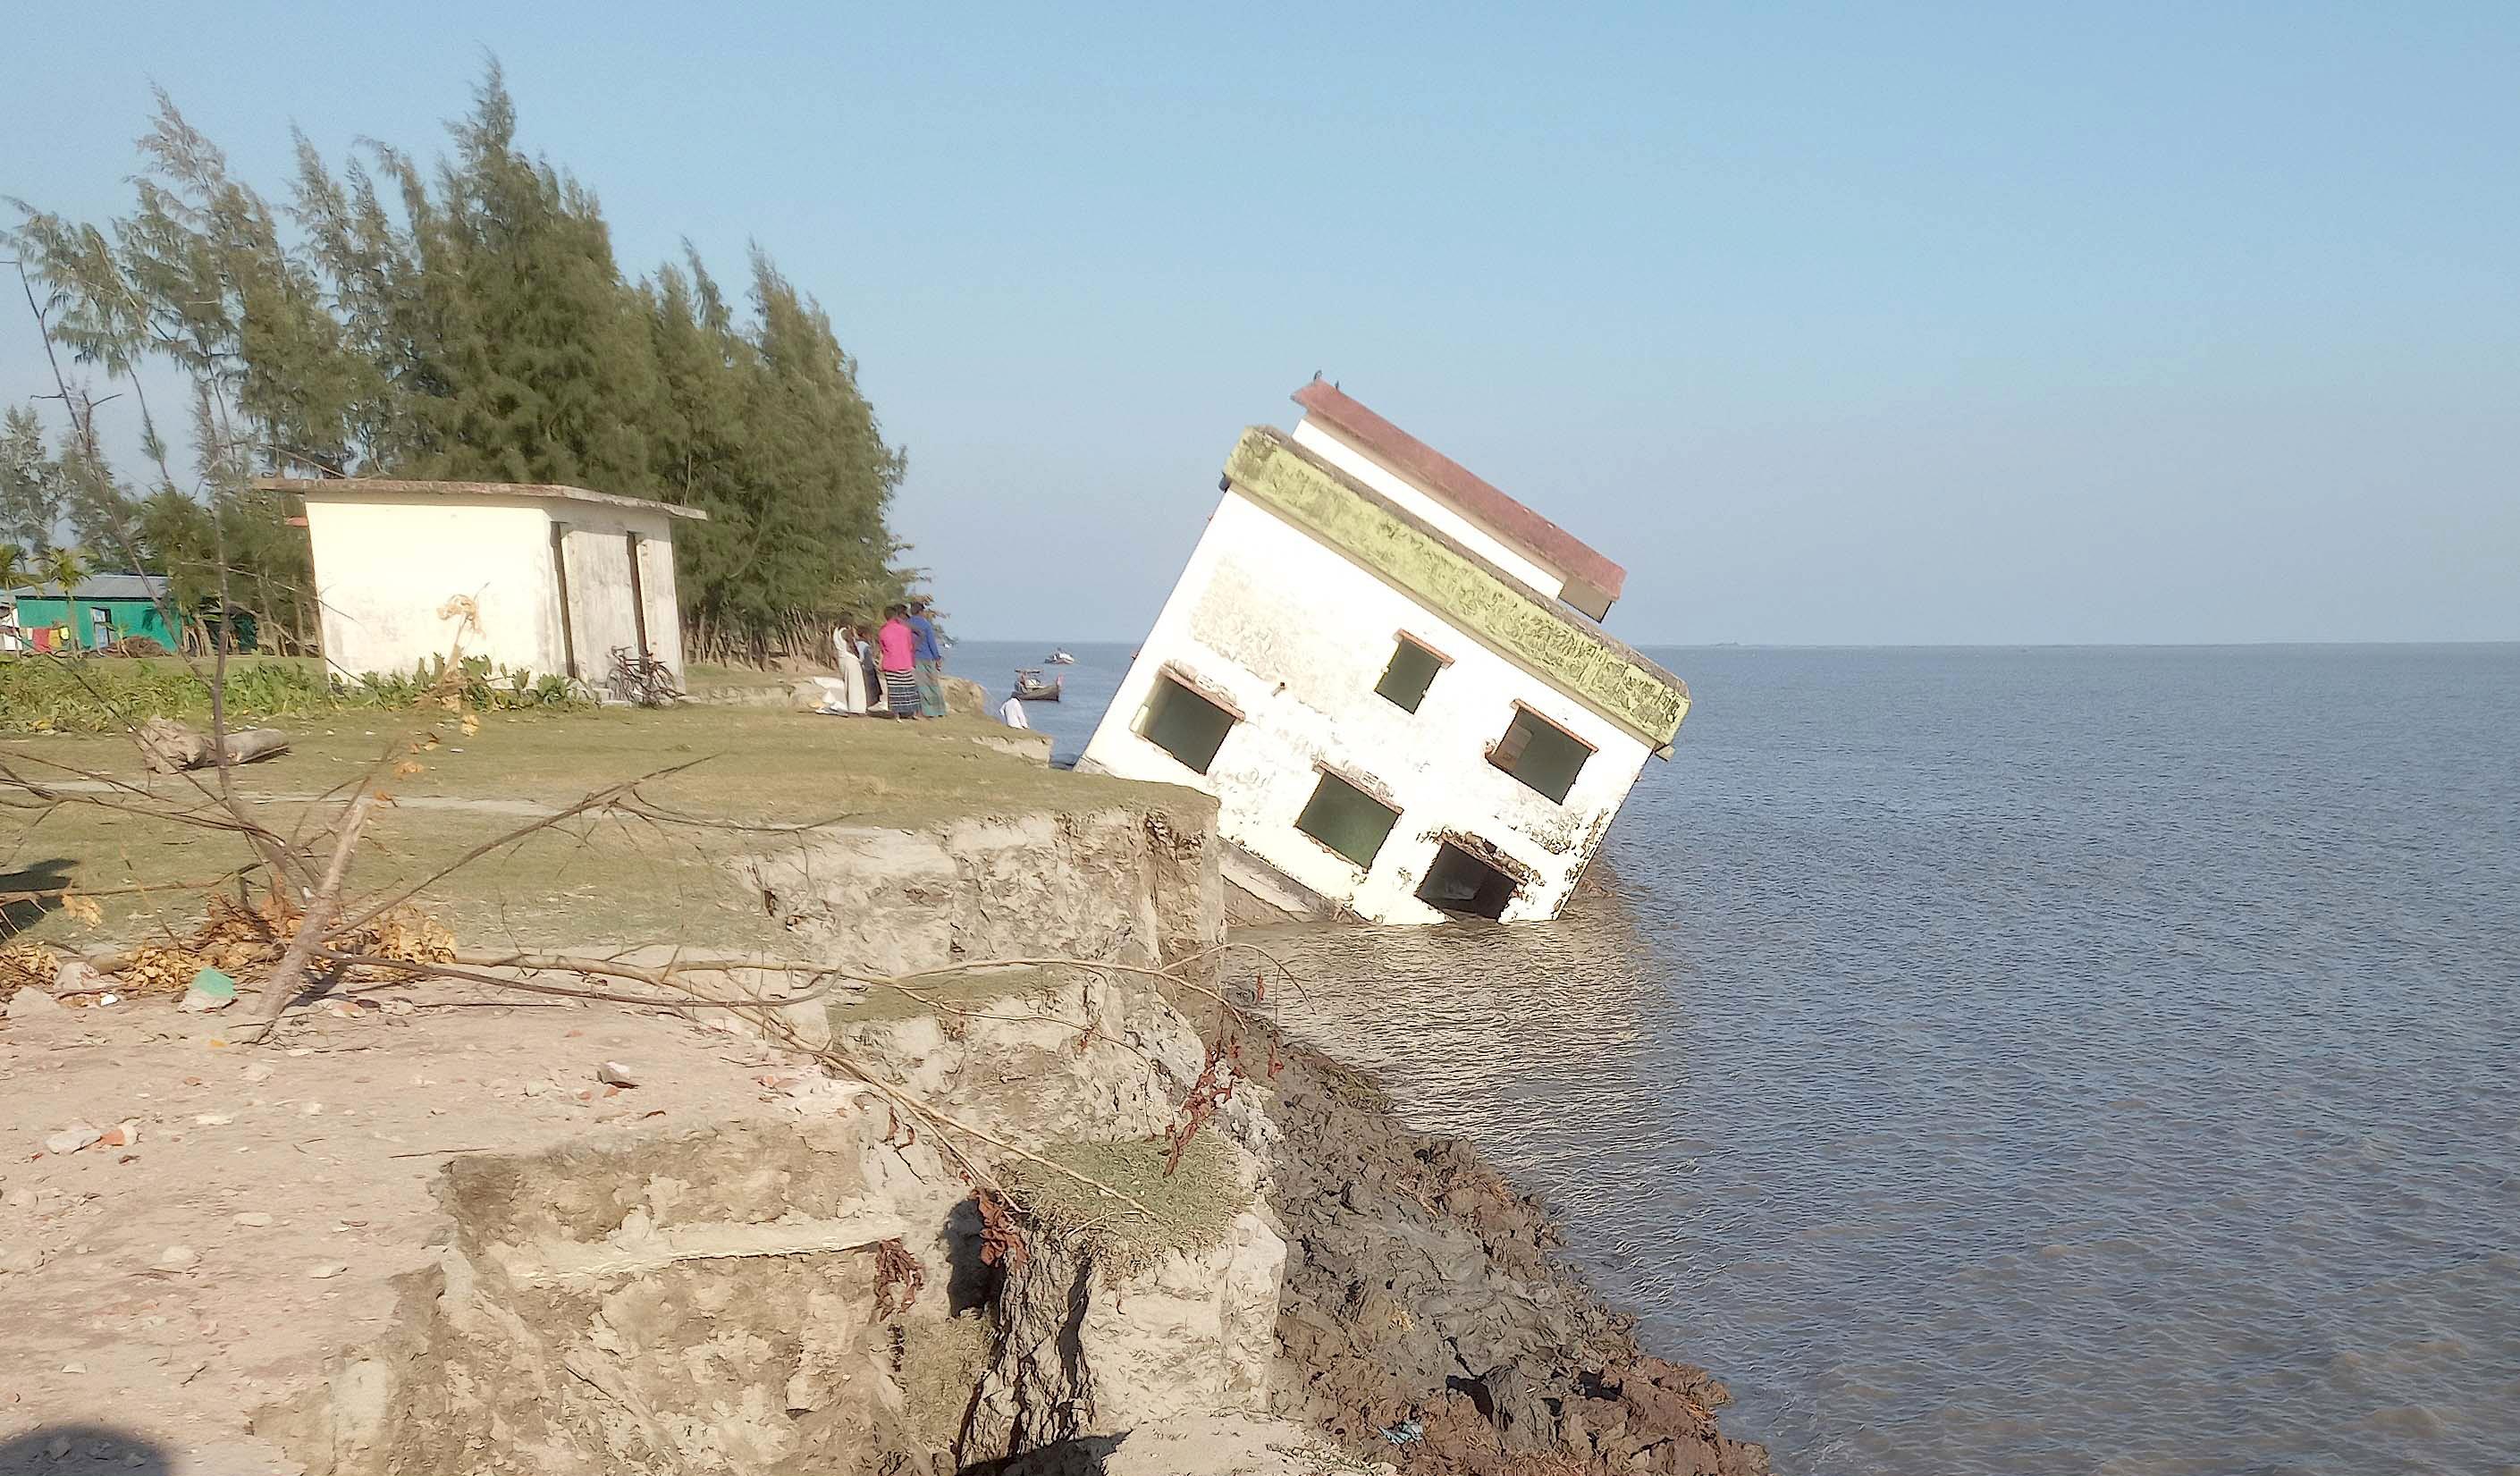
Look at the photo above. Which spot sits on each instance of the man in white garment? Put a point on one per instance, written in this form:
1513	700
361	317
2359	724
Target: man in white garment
1011	712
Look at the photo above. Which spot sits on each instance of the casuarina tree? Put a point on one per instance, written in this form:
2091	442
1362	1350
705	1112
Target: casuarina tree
466	320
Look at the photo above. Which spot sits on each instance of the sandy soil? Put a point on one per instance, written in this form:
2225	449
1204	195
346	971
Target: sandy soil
156	1294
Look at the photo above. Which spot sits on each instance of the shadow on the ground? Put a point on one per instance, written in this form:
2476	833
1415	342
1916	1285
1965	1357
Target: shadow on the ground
81	1449
1082	1457
47	876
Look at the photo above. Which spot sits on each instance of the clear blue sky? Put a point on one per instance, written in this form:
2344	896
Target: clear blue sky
1915	322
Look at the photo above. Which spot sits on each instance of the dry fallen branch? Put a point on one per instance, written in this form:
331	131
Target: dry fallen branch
277	990
206	884
600	799
670	974
645	809
588	968
767	1014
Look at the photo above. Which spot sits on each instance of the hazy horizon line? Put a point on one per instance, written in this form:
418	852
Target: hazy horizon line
1646	644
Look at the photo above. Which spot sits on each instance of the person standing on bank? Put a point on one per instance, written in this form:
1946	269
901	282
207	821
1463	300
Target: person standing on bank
896	646
931	660
853	681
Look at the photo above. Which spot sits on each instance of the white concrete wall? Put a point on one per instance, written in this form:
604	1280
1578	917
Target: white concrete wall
1298	637
601	615
383	569
1325	443
603	612
657	583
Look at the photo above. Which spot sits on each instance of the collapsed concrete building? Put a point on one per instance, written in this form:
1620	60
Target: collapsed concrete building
1392	677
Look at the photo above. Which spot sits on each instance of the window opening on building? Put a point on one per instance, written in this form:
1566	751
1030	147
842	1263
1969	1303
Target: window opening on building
1411	671
1185	723
1347	820
1540	753
1462	883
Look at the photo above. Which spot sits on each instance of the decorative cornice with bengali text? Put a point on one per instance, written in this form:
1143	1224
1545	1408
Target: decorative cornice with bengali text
1552	641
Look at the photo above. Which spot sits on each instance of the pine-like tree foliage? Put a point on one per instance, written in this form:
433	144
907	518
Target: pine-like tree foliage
31	495
766	429
466	321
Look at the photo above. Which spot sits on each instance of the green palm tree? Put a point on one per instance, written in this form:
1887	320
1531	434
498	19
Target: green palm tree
12	573
65	567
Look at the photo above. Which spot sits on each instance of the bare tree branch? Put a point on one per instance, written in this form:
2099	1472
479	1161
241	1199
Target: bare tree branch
311	927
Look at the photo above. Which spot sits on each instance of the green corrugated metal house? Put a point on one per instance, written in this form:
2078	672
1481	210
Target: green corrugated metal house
101	609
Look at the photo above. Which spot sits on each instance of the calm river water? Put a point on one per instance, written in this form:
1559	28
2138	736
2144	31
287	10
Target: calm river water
2079	1061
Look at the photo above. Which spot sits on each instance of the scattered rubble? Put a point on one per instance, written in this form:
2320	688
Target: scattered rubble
210	989
32	1003
72	1138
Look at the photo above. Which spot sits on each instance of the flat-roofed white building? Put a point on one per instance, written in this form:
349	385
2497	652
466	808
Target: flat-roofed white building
1391	675
558	579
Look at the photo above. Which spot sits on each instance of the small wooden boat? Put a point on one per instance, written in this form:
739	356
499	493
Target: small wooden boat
1030	687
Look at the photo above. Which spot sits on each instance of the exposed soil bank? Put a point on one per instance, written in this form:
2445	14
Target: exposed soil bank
1421	1286
687	1275
428	1237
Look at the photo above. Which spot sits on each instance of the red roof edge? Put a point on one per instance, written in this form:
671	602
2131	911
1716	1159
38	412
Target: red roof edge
1456	484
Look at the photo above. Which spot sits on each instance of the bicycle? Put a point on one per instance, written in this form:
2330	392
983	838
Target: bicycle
644	677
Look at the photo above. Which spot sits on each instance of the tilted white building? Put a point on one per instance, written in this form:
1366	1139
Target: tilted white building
556	578
1390	674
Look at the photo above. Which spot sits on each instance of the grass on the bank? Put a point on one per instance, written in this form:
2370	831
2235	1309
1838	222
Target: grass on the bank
615	881
1192	1206
941	1363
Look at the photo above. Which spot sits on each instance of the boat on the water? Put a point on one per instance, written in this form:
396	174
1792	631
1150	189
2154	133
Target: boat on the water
1030	687
1060	658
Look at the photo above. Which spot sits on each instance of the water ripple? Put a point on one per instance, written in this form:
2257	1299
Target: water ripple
2060	1060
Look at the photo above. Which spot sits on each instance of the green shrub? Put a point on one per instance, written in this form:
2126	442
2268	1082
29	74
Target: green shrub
49	693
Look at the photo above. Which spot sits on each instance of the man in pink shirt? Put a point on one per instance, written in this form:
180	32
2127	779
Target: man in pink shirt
894	645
